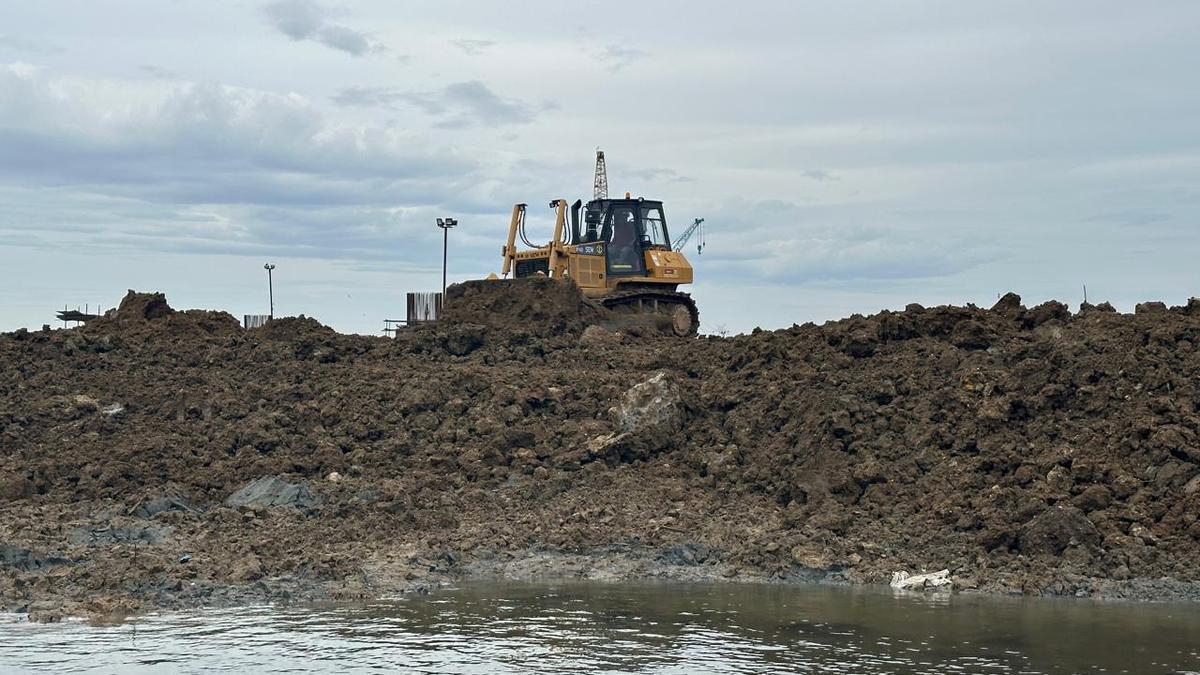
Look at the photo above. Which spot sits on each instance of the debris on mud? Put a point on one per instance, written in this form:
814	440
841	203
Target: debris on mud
162	458
939	580
270	491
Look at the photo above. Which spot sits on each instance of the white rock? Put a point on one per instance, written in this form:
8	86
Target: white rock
939	579
653	402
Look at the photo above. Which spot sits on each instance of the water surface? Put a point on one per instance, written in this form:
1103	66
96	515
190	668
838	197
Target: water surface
602	628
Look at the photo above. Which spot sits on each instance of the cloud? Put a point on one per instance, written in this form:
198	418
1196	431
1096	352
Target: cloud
17	43
158	72
219	169
784	242
616	56
458	105
307	20
472	47
820	175
657	175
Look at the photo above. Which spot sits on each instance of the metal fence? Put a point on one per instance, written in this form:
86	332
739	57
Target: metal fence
255	320
419	308
423	307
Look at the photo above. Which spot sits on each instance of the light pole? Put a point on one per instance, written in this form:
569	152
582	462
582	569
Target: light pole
270	289
445	224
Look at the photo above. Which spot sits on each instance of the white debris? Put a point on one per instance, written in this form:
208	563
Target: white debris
334	477
653	402
113	409
939	579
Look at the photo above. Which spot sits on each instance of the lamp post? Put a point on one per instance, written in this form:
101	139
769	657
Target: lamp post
270	289
445	224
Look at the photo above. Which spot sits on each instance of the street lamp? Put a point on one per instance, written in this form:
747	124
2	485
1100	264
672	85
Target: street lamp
270	289
445	224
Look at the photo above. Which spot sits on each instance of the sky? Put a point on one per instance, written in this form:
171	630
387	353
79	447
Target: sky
847	156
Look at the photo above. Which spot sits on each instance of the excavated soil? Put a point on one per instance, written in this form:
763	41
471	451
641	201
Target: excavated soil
157	458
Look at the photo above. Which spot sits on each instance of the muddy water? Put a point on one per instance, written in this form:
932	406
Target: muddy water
577	628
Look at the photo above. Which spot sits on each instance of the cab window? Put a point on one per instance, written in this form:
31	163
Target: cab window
653	226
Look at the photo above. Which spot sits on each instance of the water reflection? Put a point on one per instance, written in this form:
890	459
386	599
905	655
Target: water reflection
572	628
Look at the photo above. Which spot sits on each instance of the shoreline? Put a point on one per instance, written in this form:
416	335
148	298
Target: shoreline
159	458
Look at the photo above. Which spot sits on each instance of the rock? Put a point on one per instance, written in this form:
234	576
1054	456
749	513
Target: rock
1149	307
1143	534
1009	305
920	582
103	535
84	403
811	556
1047	311
1055	530
860	344
248	568
14	487
143	307
893	327
25	560
686	554
1094	498
596	336
1192	486
334	477
153	507
271	491
463	339
971	334
655	402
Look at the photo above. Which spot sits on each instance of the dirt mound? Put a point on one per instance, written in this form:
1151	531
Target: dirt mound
1024	449
538	305
149	312
295	328
142	307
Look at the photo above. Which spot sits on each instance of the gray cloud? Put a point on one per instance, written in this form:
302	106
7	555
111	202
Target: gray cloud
457	105
785	242
158	72
618	56
819	175
26	45
307	20
216	168
657	175
472	47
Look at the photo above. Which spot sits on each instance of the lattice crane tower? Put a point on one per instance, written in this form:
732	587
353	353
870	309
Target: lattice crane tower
601	183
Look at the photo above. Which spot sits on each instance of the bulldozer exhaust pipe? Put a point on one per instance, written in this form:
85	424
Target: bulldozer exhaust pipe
575	239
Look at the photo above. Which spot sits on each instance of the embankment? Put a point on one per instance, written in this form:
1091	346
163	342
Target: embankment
158	458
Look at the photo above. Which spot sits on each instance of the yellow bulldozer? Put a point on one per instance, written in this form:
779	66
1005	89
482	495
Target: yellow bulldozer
620	256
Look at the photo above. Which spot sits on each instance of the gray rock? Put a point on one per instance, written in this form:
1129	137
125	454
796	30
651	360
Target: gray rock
1057	529
655	402
104	535
25	560
153	507
272	491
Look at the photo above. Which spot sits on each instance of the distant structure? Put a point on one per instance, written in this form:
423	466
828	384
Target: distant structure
601	182
76	316
421	307
255	320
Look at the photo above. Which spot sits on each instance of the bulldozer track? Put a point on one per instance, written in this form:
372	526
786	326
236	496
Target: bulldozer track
652	302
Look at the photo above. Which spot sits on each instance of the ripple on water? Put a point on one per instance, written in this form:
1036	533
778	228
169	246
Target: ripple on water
579	628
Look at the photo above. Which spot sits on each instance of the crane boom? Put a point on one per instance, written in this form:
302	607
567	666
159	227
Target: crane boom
687	234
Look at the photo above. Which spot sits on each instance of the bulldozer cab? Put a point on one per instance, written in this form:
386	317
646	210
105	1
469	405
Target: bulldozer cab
628	228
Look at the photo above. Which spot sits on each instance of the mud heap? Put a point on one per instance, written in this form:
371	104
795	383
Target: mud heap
165	458
538	305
